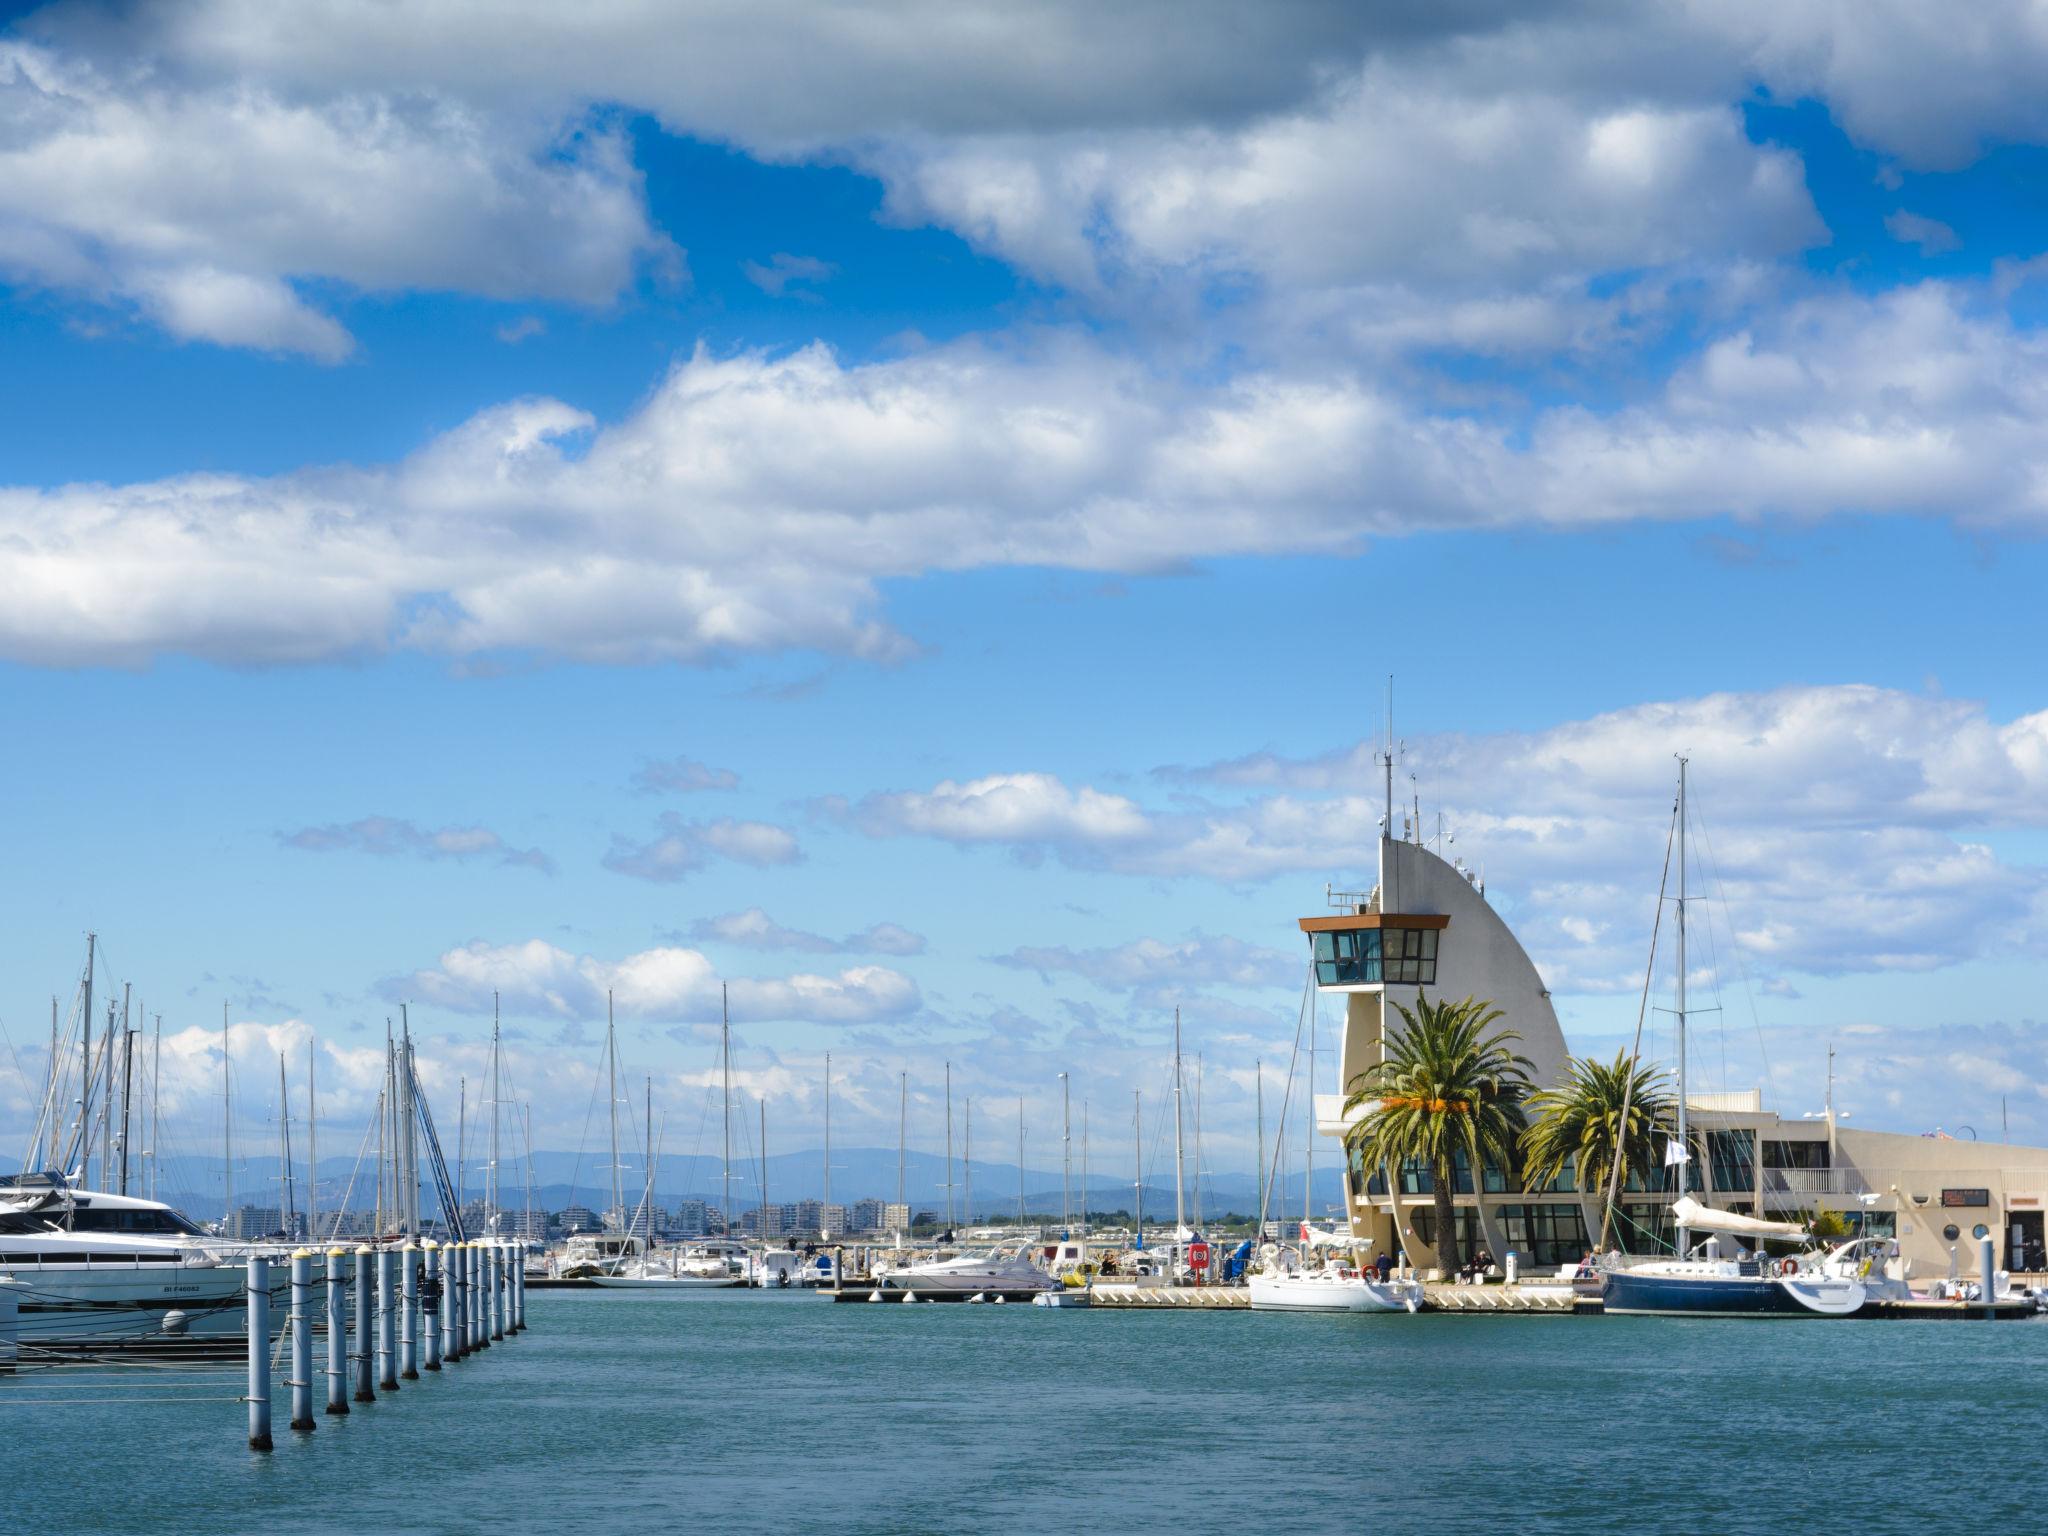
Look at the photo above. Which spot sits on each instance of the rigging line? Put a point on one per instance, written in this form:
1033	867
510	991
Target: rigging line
1635	1050
1271	1172
347	1194
582	1141
1741	969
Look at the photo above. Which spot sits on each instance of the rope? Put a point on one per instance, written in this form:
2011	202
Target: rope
1642	1011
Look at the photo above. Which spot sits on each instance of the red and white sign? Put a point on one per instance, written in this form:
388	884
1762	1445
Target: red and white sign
1198	1255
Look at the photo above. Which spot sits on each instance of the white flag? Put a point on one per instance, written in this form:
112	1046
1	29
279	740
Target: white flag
1675	1153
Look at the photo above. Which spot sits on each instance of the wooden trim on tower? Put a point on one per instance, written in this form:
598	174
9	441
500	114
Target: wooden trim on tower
1374	920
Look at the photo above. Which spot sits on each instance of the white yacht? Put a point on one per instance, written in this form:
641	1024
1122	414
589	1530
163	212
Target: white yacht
701	1268
1286	1282
96	1268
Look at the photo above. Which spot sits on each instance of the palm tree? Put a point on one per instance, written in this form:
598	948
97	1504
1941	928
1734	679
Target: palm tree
1581	1121
1446	1085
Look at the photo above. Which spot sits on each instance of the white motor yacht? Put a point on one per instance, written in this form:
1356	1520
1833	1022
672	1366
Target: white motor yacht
678	1269
97	1269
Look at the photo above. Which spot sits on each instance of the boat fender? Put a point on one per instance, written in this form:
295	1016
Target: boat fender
1000	1300
174	1322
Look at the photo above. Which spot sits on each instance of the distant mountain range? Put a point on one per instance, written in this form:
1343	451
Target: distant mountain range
560	1179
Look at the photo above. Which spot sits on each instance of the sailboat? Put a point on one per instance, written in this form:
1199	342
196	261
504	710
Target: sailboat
1318	1274
1068	1261
1702	1282
705	1266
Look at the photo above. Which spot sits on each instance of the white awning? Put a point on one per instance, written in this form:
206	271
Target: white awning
1695	1217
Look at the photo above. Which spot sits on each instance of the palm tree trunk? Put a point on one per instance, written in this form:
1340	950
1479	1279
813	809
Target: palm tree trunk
1447	1256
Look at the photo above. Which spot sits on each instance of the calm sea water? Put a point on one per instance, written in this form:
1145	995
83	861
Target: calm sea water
740	1411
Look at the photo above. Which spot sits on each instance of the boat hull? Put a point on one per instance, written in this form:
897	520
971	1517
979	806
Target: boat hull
1287	1293
1626	1294
67	1306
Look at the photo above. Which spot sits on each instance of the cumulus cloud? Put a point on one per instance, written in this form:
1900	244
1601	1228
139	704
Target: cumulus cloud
1931	235
683	776
206	200
671	983
1152	963
679	848
755	929
757	502
389	837
1842	829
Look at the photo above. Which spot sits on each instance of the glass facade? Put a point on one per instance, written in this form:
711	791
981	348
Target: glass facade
1545	1236
1796	1154
1465	1219
1350	957
1732	1154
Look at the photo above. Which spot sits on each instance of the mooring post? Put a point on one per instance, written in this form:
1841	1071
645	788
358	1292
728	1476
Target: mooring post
10	1323
387	1320
302	1340
497	1292
366	1345
409	1319
451	1301
519	1290
337	1330
430	1304
259	1353
1987	1268
479	1299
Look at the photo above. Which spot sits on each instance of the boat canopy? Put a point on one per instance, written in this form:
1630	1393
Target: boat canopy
1695	1217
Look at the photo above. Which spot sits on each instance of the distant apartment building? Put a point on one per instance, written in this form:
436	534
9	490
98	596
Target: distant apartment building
252	1221
577	1218
895	1217
688	1219
866	1216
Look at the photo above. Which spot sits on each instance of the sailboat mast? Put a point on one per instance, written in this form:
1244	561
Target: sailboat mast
1308	1139
1020	1159
822	1223
902	1133
1138	1159
312	1136
156	1101
227	1115
1684	1139
725	1048
611	1053
127	1085
1198	1139
967	1167
647	1197
491	1216
1180	1218
85	1052
1066	1157
949	1146
762	1225
284	1125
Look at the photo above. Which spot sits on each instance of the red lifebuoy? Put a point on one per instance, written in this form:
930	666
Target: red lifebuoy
1788	1266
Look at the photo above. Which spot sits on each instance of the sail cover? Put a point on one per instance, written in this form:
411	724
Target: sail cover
1695	1217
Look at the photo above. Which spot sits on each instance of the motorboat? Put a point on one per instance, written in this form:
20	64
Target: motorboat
1005	1268
588	1255
95	1269
1702	1283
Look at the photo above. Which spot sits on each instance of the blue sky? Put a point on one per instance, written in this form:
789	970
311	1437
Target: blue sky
994	473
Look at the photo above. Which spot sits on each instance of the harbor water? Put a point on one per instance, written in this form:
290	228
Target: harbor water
737	1410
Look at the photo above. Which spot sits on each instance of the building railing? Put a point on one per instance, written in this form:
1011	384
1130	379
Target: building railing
1352	901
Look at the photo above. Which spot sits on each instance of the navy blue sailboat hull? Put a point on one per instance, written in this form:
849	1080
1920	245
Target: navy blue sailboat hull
1626	1293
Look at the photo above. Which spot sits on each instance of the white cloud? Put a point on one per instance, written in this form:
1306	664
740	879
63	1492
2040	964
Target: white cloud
679	847
1843	828
755	929
784	274
1153	963
671	983
808	482
683	776
1931	235
1028	812
388	837
205	200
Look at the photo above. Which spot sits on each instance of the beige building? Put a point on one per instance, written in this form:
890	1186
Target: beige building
1427	926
